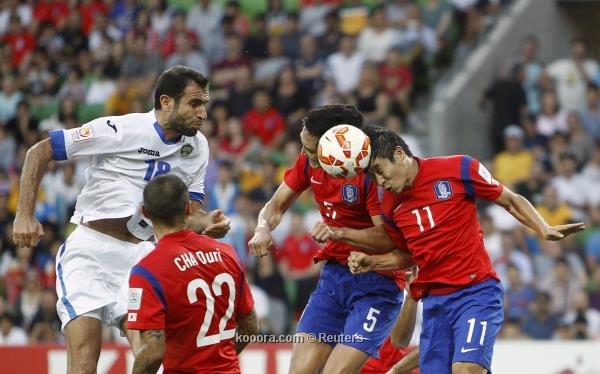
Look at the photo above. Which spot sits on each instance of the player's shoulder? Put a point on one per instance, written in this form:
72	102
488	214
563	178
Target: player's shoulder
448	161
131	123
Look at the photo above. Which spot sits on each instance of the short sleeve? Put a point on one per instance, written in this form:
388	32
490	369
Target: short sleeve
100	136
297	177
246	301
196	187
478	181
146	307
373	206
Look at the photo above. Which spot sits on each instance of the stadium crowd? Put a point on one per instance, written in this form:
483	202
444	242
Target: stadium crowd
64	63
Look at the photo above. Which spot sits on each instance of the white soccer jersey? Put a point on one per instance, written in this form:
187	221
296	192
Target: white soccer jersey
127	151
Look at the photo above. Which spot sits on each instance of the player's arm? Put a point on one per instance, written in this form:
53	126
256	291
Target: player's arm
247	325
408	363
26	229
404	327
397	259
215	224
373	239
269	217
520	208
151	353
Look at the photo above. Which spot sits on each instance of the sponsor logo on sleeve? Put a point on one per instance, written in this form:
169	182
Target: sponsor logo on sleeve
486	175
443	189
83	133
350	194
135	298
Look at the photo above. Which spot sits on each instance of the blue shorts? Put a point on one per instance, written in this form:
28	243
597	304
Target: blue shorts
461	327
355	310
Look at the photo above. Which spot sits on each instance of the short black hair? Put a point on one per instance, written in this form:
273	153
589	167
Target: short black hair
321	119
384	142
165	198
174	80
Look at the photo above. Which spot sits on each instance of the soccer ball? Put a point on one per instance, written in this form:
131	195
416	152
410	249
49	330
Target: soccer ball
344	151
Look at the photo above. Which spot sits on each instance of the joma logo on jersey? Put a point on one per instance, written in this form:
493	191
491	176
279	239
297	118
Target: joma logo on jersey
149	152
443	189
350	193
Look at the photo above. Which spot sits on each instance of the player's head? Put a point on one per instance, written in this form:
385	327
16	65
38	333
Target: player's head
390	159
182	93
166	201
319	120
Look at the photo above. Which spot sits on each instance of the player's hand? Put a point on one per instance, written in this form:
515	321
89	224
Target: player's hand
219	224
26	231
261	243
322	233
359	262
561	231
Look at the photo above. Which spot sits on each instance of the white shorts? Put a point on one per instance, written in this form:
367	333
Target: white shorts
93	275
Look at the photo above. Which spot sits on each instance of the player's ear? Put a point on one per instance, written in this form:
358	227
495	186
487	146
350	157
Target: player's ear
188	209
166	103
399	153
145	212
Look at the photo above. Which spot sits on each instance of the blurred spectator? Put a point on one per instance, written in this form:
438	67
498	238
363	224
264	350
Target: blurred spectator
264	121
562	284
138	64
10	333
160	15
29	301
10	96
312	18
8	148
416	37
376	39
89	10
518	295
227	72
533	70
52	11
396	124
396	79
296	263
268	278
344	66
62	189
590	116
591	176
103	33
276	17
178	29
540	322
397	12
290	38
256	43
121	101
74	86
580	308
492	238
10	7
101	88
222	194
203	18
509	103
571	76
437	15
267	70
581	143
23	126
20	40
242	224
241	24
512	330
291	101
511	255
240	96
571	185
75	40
532	187
329	41
551	119
368	96
309	66
552	210
514	164
186	54
354	16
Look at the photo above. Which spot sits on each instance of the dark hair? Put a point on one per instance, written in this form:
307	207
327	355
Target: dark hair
174	80
583	41
165	198
319	120
384	142
592	86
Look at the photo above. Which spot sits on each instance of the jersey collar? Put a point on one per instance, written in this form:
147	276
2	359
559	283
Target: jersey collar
161	134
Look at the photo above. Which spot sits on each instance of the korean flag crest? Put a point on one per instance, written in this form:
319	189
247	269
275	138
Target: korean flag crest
443	189
350	194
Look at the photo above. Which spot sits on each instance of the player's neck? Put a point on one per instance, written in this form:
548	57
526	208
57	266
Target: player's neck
413	170
160	230
169	133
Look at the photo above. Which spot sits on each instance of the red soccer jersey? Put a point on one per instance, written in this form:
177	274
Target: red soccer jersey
193	287
388	357
342	202
298	252
266	125
437	221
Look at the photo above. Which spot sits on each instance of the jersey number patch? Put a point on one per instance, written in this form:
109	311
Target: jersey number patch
161	168
202	339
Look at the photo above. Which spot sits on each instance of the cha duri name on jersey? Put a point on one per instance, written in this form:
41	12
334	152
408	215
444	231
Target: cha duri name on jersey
190	259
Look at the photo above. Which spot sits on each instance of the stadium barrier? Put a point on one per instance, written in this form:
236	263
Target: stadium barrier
514	357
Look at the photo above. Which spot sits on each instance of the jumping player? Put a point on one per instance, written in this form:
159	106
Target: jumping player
127	151
349	315
429	208
188	295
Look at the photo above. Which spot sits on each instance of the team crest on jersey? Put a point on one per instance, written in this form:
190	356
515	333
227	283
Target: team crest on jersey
186	150
83	133
350	193
443	189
